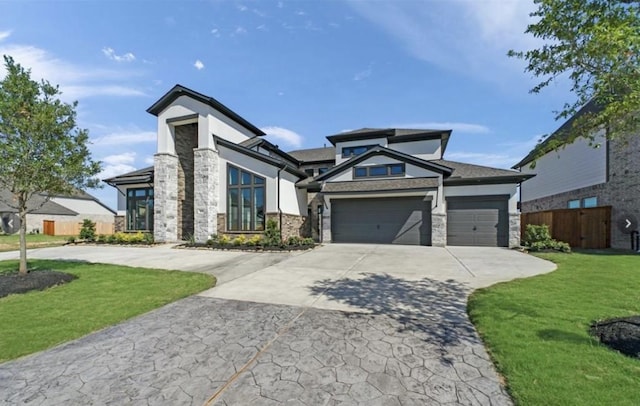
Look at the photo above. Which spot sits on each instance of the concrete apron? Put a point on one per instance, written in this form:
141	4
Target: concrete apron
325	278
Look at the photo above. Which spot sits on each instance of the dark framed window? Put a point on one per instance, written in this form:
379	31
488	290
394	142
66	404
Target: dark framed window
140	209
357	150
322	170
309	172
377	171
245	200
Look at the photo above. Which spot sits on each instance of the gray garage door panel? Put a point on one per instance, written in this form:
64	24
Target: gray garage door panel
405	220
477	222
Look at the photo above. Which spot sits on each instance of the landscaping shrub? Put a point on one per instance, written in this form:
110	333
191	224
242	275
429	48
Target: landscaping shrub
102	238
538	238
272	235
239	240
88	230
255	241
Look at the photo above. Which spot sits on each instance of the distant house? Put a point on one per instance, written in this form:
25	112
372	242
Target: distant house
214	173
579	176
65	210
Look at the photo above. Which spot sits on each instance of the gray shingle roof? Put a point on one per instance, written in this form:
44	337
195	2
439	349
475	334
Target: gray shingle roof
144	175
380	185
463	171
37	202
314	154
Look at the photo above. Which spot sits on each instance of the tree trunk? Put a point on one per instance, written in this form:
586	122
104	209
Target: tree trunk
23	236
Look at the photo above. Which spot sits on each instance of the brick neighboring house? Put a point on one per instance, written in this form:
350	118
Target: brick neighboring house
214	173
581	176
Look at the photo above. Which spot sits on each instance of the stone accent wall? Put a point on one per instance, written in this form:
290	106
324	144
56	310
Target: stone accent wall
292	225
165	199
621	191
514	230
118	224
326	225
313	221
186	139
221	226
205	203
438	229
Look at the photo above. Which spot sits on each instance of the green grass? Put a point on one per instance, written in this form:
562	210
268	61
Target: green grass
101	296
12	242
536	330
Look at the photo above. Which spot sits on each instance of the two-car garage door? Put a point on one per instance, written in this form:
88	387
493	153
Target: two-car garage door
396	220
478	221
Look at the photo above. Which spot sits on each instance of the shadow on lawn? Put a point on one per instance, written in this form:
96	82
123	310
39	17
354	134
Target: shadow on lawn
565	336
428	306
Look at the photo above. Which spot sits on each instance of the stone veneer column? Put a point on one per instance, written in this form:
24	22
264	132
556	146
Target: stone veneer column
514	230
206	193
165	199
438	229
326	221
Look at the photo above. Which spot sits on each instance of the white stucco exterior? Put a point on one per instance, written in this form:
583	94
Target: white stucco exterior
573	167
426	149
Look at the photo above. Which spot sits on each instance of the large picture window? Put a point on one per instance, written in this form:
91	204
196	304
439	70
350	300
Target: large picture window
245	200
140	209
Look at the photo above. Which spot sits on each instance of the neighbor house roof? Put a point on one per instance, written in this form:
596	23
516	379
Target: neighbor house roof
144	175
380	150
179	90
560	135
381	185
464	173
38	203
314	154
393	135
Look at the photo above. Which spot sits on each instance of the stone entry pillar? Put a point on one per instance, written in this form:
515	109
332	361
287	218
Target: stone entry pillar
205	204
165	190
438	229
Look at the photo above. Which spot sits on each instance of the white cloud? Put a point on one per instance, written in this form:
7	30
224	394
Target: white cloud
4	35
290	138
118	164
471	37
198	64
240	30
469	128
121	137
242	7
111	54
149	160
365	74
76	81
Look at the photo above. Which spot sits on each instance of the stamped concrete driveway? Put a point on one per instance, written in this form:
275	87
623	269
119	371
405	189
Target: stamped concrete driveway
343	324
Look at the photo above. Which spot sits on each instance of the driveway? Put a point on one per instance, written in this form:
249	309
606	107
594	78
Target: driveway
281	335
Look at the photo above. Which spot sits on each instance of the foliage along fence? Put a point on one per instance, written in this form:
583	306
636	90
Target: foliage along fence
580	228
50	227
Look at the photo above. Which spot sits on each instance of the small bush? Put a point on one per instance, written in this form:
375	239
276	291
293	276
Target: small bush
102	238
255	241
148	238
224	240
272	235
71	240
538	238
239	240
88	230
213	239
111	239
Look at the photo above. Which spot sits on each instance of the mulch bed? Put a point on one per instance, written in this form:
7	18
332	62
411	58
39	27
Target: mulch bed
40	280
621	334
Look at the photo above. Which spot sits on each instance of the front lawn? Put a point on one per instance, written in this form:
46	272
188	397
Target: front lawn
101	296
12	242
536	330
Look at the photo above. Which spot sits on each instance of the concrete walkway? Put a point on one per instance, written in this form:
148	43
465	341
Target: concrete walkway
405	339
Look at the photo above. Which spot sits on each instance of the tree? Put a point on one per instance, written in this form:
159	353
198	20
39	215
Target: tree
41	149
597	44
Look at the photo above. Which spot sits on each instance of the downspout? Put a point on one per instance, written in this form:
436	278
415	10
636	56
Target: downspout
278	200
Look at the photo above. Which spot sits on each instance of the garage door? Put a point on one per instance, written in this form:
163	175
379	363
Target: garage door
405	220
478	222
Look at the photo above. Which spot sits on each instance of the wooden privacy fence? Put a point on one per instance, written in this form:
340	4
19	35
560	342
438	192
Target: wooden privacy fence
580	228
50	227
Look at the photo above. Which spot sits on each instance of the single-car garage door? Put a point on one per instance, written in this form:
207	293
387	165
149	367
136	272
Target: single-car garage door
478	221
397	220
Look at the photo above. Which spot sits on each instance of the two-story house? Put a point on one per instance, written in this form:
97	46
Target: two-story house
214	173
586	174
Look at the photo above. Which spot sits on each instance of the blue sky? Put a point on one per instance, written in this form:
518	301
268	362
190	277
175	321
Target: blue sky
298	70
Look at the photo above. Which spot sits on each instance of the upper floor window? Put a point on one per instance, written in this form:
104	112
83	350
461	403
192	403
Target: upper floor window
245	200
309	172
348	152
574	204
140	209
322	170
589	202
376	171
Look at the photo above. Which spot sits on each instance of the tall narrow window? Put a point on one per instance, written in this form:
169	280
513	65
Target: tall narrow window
140	209
245	200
